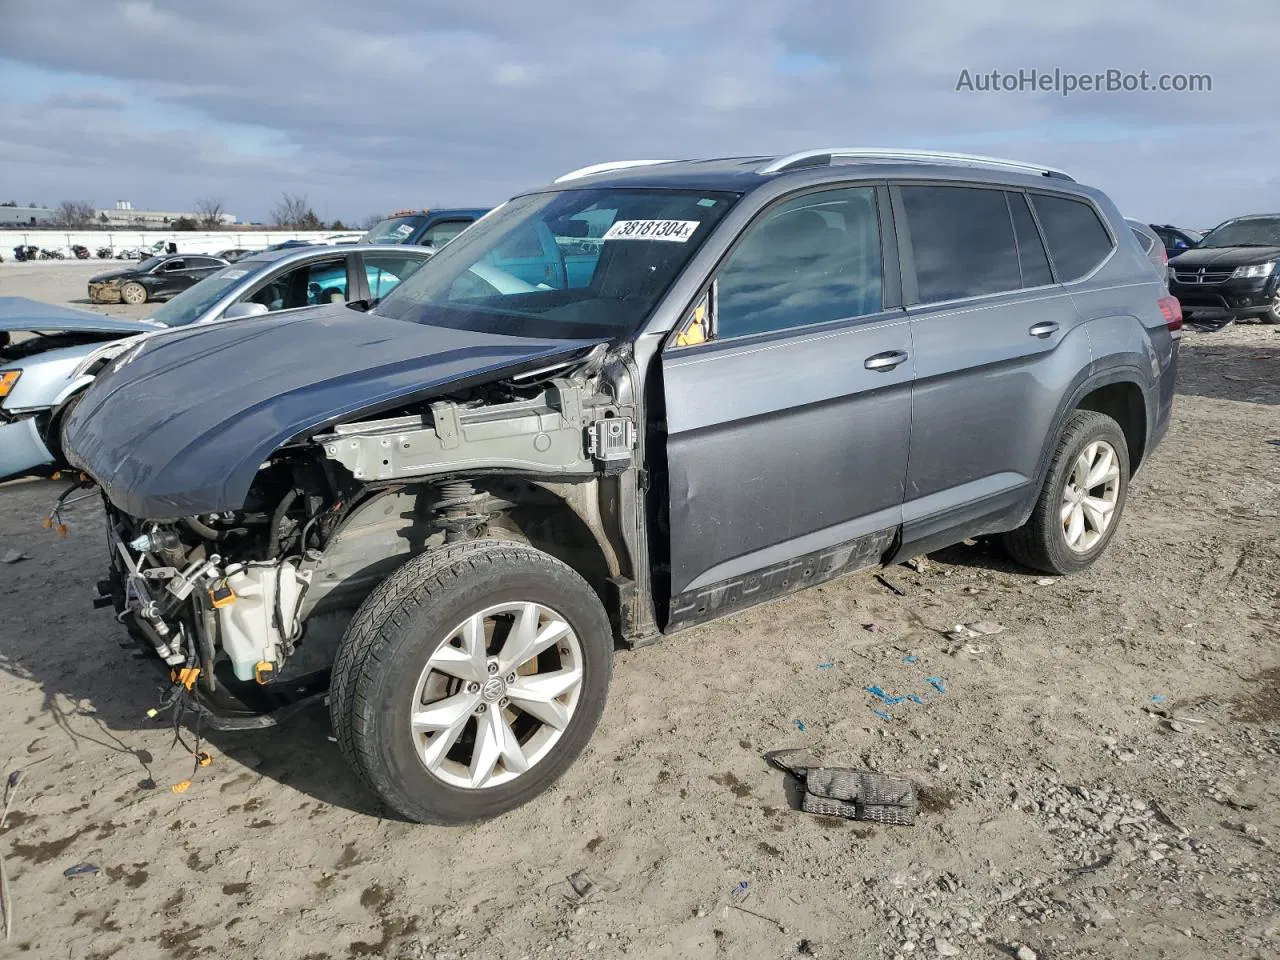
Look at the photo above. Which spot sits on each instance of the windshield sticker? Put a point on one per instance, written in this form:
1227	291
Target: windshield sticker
404	230
678	231
232	274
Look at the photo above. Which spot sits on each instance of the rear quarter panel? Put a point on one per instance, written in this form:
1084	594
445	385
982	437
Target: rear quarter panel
1129	335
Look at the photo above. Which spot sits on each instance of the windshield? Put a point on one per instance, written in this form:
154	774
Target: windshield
149	264
394	230
581	263
191	304
1254	232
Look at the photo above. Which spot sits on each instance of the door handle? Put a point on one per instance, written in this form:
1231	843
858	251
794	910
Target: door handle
1043	330
884	362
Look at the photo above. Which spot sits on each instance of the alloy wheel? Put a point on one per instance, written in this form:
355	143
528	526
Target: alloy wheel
1090	496
496	695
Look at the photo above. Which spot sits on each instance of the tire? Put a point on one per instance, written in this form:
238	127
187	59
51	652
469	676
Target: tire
1042	543
403	628
53	436
133	293
1272	316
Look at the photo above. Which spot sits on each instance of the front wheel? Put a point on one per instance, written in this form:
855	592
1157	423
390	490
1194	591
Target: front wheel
1272	316
1082	499
133	293
470	680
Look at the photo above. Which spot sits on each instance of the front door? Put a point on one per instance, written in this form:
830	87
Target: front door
788	408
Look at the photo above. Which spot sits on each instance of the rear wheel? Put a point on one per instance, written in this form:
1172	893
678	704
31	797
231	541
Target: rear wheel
133	293
470	680
1082	499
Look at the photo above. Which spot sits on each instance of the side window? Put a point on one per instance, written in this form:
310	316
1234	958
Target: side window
809	260
962	242
1031	255
1077	240
1144	241
307	285
174	265
438	234
386	271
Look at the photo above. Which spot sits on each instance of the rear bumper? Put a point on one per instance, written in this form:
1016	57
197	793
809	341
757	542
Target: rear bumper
22	449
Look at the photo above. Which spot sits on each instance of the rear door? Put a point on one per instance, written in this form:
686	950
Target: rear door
788	407
996	344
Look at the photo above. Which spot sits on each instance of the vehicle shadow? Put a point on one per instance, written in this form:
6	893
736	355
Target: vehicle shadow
984	554
1230	371
95	689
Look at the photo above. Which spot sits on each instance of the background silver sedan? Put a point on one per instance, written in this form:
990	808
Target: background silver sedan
47	352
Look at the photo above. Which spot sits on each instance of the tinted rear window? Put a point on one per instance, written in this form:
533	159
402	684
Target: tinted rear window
1077	240
962	241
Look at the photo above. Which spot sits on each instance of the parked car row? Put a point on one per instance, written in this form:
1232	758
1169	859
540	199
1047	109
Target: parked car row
638	398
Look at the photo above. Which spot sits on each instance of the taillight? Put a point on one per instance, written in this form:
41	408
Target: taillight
1172	311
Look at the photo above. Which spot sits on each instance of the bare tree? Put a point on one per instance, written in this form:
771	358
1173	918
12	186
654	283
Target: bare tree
209	212
74	213
372	220
294	211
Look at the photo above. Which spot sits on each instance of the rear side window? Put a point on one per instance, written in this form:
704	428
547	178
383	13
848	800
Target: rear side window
962	242
1145	242
1031	255
808	260
1077	240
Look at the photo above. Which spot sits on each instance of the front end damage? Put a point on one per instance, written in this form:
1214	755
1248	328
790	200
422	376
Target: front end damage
243	608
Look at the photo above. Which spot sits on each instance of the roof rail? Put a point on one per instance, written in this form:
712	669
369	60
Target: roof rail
602	167
814	158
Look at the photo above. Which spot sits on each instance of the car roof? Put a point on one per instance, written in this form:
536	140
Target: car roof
744	174
318	251
435	212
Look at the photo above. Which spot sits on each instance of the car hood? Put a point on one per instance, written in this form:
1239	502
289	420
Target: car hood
180	425
22	313
119	274
1223	257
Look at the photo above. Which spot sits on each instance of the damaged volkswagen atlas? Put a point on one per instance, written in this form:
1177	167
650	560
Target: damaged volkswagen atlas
616	407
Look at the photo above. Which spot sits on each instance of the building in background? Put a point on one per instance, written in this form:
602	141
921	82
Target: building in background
26	216
124	215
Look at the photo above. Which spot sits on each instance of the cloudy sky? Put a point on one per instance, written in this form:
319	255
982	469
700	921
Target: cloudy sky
369	107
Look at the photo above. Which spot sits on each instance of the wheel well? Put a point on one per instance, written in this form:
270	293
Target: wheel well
1123	403
545	521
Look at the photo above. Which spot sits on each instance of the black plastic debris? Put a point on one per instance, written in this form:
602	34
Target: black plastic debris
848	793
893	585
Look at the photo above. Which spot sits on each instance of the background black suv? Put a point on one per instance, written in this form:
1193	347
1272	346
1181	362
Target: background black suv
1232	274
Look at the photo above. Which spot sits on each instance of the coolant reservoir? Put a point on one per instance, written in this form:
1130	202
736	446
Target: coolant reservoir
265	594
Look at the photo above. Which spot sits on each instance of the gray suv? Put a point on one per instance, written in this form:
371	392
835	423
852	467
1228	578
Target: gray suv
619	406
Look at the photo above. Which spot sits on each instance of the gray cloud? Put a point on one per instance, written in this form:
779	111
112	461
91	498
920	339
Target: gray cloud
408	103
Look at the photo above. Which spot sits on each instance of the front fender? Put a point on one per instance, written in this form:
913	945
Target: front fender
73	387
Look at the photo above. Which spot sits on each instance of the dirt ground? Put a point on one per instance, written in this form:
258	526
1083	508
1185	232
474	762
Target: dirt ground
1100	779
